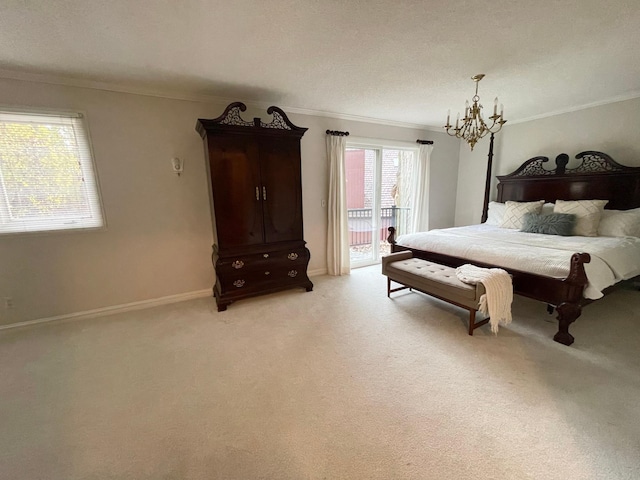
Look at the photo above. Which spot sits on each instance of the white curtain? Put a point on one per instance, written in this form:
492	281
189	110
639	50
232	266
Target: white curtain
338	228
420	193
405	180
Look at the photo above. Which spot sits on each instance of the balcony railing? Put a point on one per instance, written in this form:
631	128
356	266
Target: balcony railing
361	226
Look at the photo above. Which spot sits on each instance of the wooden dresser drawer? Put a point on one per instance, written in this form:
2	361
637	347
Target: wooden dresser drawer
262	261
275	272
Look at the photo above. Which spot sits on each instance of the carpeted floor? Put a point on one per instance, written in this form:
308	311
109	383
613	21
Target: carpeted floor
340	383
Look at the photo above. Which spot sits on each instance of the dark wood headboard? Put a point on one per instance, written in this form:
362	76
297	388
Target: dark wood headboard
597	177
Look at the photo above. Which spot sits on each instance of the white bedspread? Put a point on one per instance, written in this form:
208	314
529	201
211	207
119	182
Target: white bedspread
612	258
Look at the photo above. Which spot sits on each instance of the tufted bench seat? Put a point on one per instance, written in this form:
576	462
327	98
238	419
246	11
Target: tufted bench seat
433	279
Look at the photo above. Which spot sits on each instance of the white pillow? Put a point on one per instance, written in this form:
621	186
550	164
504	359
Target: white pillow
620	223
515	211
587	212
547	208
495	214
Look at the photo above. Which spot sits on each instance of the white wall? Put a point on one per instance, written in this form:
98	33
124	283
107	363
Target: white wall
612	129
159	235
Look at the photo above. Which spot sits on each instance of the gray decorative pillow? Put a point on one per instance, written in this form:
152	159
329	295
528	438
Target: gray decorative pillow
552	224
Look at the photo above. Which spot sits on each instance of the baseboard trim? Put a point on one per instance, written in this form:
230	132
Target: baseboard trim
317	272
125	307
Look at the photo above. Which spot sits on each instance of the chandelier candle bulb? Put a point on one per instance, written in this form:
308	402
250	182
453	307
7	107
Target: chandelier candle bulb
495	106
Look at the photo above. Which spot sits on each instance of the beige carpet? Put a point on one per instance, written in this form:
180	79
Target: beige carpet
340	383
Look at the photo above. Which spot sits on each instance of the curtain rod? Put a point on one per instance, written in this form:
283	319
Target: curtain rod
337	133
346	134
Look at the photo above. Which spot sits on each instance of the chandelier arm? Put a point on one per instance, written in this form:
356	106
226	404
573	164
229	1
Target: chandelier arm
465	129
480	127
481	120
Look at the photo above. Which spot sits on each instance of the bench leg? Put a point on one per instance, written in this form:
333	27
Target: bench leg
472	322
391	290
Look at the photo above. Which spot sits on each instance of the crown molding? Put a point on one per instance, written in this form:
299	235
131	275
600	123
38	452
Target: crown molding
107	86
357	118
194	97
616	99
191	97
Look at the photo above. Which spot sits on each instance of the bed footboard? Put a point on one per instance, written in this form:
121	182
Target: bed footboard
566	295
571	307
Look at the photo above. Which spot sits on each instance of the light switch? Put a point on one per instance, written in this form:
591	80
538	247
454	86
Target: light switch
177	164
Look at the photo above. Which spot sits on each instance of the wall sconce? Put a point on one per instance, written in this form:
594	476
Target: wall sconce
177	165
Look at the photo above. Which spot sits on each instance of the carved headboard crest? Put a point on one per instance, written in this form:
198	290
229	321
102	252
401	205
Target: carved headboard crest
592	162
597	176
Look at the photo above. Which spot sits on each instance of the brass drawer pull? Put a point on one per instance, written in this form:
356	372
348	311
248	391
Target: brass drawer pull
292	273
237	264
292	256
267	273
266	255
239	283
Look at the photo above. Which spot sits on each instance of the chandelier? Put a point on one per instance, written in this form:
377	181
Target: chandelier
473	126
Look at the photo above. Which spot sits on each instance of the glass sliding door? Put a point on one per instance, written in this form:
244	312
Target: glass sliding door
361	170
378	196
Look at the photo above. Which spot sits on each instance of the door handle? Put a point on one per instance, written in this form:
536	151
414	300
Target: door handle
264	192
257	193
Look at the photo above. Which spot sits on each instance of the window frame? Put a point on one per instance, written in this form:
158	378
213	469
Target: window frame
89	171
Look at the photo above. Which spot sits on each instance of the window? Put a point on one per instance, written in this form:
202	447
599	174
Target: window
47	177
379	195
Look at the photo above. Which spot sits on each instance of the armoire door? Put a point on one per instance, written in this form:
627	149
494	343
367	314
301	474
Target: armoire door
237	190
282	190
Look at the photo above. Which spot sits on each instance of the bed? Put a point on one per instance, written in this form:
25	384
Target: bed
566	273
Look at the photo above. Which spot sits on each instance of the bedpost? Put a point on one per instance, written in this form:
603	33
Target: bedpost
487	184
392	238
569	310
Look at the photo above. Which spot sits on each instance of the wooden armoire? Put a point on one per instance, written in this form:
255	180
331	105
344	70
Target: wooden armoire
256	204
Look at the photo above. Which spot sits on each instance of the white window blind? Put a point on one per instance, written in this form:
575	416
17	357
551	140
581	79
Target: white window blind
47	176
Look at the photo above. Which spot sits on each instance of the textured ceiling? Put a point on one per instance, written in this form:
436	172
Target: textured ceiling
404	61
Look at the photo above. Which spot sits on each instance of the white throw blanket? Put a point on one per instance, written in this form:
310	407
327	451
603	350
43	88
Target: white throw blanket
499	292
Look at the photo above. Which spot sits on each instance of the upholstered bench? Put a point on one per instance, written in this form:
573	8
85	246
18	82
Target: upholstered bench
433	279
